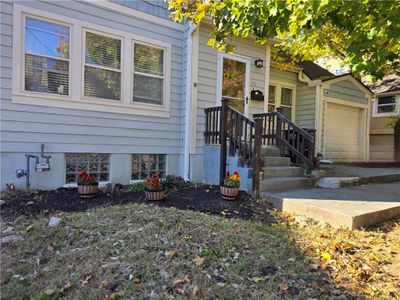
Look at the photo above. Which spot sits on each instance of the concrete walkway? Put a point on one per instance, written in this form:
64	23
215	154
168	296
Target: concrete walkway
351	207
355	171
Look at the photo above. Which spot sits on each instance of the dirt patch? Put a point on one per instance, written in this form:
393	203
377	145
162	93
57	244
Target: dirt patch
202	198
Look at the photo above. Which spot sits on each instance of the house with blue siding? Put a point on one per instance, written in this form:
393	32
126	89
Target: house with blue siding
118	89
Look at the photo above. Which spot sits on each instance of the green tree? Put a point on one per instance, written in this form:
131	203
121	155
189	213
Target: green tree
365	33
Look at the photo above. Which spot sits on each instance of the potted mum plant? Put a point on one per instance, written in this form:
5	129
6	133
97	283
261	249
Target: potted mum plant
154	190
230	189
87	185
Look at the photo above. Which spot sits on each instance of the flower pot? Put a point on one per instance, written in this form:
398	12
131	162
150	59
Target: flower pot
88	191
228	192
155	195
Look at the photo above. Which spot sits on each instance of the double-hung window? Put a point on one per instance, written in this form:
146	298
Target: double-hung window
282	97
70	63
148	75
47	49
386	105
102	75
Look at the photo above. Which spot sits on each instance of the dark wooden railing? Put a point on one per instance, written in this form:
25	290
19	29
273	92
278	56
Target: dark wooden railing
238	135
293	141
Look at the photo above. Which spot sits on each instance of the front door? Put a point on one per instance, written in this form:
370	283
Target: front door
234	82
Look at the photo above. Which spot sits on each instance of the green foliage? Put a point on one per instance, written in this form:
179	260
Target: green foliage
176	182
138	186
366	34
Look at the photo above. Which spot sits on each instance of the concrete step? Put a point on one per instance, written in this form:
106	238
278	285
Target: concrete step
272	161
346	207
270	151
282	171
285	183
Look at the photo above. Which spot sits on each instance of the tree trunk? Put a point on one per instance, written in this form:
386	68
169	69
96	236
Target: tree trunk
397	141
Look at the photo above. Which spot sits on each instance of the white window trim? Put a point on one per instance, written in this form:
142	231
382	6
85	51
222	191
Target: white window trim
236	57
375	112
75	99
278	92
121	70
163	77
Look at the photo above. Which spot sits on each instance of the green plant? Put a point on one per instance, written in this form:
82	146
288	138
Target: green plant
138	187
232	180
176	182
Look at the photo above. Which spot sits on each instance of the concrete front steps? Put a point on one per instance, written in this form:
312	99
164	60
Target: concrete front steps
279	175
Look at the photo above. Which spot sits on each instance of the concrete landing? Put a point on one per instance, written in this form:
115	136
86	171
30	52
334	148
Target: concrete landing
351	207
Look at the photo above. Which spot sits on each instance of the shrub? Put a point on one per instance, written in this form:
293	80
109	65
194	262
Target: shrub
176	182
138	187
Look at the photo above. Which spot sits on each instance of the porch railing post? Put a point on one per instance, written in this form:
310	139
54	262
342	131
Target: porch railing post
223	137
257	156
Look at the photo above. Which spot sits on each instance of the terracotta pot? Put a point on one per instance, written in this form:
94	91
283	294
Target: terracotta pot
88	191
155	195
228	192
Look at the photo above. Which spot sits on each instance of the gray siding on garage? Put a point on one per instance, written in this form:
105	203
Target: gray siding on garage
25	127
346	90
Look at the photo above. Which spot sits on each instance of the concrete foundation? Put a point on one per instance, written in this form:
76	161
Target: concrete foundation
120	170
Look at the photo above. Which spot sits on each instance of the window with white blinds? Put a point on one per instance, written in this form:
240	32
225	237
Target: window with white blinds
102	71
64	62
148	75
47	47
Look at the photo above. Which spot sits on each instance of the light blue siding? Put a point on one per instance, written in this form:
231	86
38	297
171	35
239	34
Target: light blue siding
25	127
346	90
157	8
305	105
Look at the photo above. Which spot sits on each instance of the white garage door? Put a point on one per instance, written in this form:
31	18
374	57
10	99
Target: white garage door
342	133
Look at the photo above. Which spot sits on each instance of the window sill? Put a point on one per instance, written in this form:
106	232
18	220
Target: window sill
131	108
383	115
102	184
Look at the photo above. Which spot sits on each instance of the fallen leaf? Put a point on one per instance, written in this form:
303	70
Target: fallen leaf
29	228
283	287
198	261
183	280
257	279
325	256
137	280
171	254
84	282
66	287
292	259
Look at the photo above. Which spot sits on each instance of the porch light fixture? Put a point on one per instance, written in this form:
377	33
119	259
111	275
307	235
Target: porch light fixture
259	63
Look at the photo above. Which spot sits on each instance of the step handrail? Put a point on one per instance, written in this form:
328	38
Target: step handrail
288	137
237	135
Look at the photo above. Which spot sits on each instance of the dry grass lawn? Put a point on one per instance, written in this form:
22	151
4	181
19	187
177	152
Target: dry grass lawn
142	251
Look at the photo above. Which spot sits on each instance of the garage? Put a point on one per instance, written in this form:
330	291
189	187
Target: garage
343	132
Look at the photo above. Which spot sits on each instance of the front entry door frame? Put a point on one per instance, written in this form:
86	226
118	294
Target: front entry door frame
240	58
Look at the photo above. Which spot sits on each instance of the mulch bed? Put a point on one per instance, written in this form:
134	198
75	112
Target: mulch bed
202	198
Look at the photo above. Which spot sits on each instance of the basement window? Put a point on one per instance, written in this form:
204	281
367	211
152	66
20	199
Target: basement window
96	164
145	165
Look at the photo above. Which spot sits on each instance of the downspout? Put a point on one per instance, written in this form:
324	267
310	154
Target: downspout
188	88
